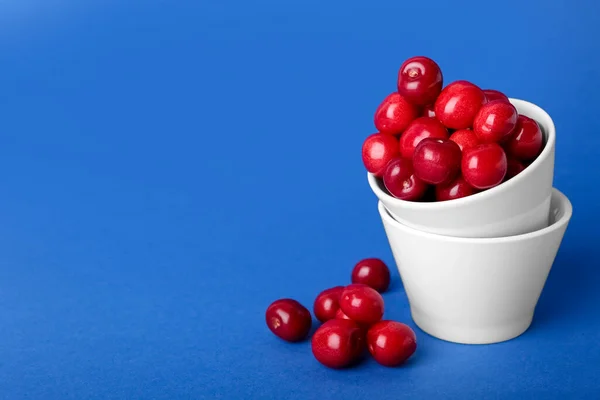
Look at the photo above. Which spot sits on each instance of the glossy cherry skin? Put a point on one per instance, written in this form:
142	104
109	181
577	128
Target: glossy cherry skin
526	141
391	343
394	114
372	272
362	304
400	180
420	80
436	161
495	121
327	303
428	111
484	166
458	103
514	168
454	190
465	139
288	319
377	151
491	95
340	314
419	129
338	343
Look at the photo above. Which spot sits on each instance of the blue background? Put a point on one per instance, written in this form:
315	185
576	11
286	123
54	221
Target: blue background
169	168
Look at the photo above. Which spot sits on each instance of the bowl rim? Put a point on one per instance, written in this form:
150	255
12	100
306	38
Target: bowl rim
557	196
548	127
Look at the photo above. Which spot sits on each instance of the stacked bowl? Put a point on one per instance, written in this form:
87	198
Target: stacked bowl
473	268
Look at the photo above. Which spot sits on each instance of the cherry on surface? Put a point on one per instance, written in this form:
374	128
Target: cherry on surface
288	319
391	343
340	314
338	343
362	304
372	272
327	303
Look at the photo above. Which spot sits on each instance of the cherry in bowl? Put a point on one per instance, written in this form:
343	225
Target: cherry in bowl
456	189
421	128
394	114
400	180
465	139
527	140
458	103
484	166
514	168
491	95
377	151
420	80
436	161
495	121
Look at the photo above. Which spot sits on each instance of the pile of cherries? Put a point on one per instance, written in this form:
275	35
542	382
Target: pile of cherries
459	139
352	320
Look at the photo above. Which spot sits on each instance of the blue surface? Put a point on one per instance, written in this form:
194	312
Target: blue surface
172	167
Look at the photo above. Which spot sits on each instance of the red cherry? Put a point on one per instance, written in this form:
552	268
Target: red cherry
394	114
495	121
340	314
514	168
428	111
491	95
465	139
436	161
327	303
484	166
420	80
391	343
458	103
419	129
288	319
377	151
362	304
454	190
372	272
527	140
400	180
338	343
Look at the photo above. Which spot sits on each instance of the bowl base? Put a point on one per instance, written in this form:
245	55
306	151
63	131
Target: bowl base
454	333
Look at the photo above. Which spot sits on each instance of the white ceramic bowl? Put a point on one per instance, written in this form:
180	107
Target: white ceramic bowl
476	290
517	206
